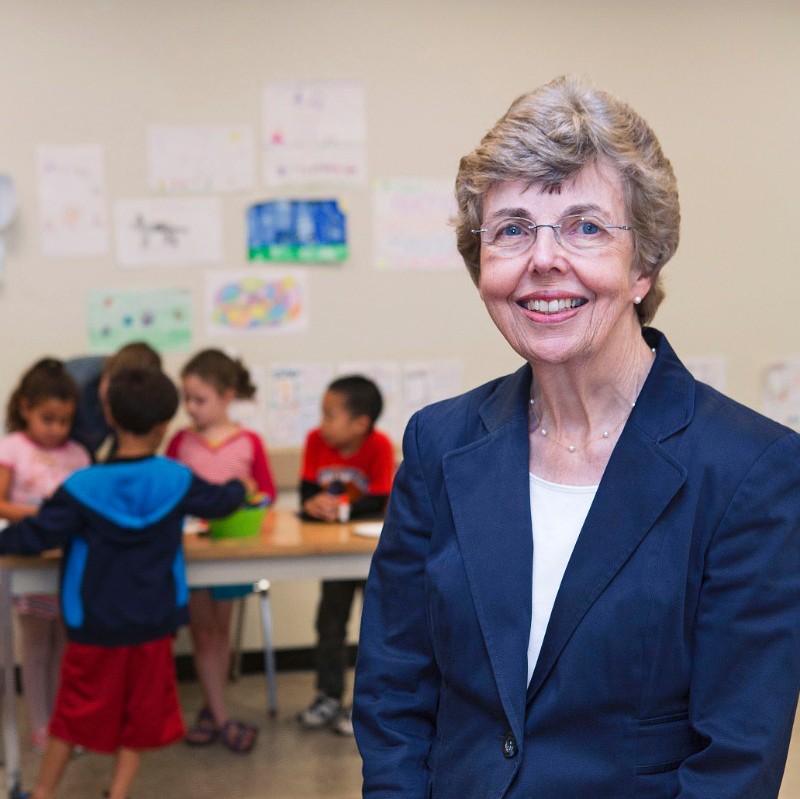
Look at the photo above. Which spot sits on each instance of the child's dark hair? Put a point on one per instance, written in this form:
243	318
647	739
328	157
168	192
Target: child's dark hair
361	396
141	399
221	371
46	379
135	355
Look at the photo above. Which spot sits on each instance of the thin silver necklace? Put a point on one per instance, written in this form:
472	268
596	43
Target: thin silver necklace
573	448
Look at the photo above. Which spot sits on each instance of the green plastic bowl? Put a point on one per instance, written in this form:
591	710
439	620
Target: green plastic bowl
240	524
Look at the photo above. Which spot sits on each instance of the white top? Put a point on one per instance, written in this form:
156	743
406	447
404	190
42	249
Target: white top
557	515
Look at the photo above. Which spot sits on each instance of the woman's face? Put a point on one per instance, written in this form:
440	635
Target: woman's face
553	304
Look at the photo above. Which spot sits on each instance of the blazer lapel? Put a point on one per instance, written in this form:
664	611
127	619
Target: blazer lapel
487	484
639	482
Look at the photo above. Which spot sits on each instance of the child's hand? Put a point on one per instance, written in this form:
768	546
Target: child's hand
250	485
322	506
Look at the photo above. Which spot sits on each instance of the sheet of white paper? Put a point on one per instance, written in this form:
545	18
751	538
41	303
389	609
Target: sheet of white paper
295	394
425	382
710	369
387	376
780	392
411	225
201	159
72	200
252	301
314	133
252	413
168	231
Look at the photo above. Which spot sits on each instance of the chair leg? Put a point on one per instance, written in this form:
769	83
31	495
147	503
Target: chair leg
262	589
236	653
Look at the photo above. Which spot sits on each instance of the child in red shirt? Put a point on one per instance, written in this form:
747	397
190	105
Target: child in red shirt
345	460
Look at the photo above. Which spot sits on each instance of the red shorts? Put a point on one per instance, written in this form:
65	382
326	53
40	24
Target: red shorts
118	696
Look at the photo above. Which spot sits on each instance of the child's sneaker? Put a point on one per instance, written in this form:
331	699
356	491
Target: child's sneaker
322	712
344	722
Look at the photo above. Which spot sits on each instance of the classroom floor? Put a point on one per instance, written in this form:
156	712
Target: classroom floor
287	762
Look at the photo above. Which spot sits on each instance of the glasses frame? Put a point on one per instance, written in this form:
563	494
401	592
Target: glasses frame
526	224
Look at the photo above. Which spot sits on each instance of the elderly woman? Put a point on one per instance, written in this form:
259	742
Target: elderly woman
588	583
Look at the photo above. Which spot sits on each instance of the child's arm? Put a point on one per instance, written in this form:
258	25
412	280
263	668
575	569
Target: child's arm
48	529
210	501
13	511
317	503
262	472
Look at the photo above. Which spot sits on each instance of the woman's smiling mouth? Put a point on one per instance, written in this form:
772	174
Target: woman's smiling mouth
553	306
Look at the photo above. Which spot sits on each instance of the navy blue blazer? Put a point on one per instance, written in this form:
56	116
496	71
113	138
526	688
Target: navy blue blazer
671	663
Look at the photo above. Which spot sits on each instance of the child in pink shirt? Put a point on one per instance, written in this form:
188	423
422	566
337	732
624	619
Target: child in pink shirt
35	458
217	449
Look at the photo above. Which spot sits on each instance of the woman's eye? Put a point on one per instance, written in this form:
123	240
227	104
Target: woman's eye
584	227
510	229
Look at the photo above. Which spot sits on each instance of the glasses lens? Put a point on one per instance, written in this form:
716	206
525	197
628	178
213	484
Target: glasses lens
509	236
584	233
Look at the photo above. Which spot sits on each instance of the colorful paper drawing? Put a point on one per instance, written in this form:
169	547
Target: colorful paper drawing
72	201
256	301
306	231
161	317
314	133
411	225
295	395
168	231
201	159
780	392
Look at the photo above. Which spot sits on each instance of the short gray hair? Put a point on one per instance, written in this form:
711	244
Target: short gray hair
547	137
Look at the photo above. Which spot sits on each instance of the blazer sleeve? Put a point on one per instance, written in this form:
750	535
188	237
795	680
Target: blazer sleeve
397	681
746	655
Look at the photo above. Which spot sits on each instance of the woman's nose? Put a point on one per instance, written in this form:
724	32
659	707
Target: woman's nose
545	252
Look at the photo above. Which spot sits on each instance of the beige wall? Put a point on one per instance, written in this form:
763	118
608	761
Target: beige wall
717	80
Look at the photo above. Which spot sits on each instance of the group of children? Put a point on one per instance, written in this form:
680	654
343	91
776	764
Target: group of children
117	509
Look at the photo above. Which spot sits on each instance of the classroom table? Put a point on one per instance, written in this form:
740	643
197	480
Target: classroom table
286	548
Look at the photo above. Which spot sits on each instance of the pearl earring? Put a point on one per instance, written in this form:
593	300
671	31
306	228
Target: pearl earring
637	300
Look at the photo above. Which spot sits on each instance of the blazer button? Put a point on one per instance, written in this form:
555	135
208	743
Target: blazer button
510	748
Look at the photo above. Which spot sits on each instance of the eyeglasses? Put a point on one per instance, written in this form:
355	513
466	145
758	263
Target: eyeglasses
514	235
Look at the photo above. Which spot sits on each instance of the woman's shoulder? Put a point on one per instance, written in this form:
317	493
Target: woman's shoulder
719	414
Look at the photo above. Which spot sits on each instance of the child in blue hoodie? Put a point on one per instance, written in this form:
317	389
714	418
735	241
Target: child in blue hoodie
123	585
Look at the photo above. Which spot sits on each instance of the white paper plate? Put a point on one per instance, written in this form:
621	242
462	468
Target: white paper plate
370	529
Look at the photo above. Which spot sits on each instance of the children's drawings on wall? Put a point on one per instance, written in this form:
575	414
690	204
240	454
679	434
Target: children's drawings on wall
296	390
295	395
72	201
161	317
709	369
168	231
780	392
307	231
387	375
411	225
201	159
314	133
256	301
